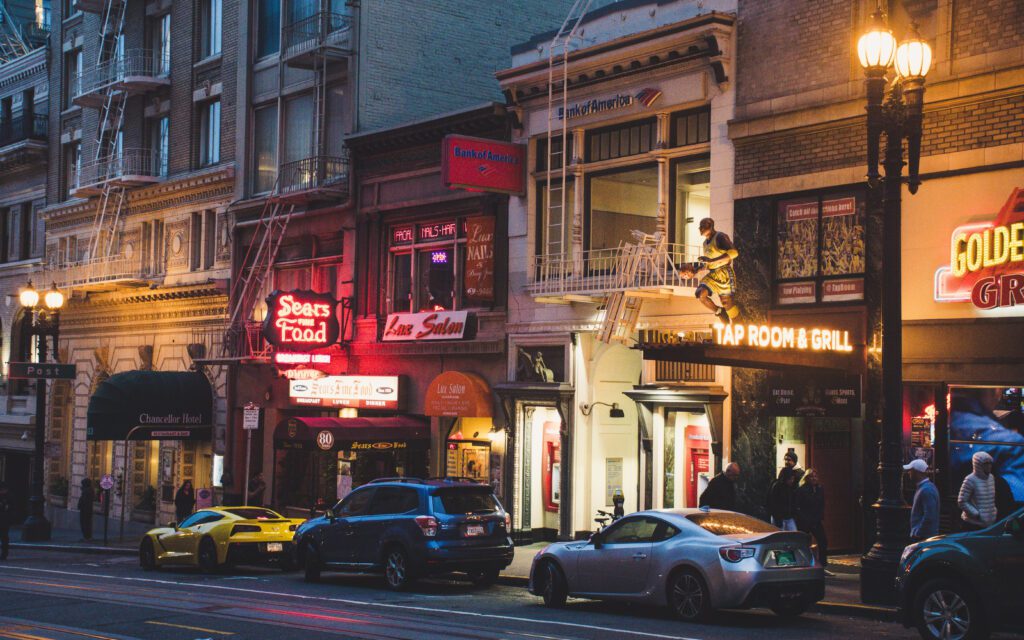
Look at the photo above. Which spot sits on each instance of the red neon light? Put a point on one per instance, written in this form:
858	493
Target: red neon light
300	320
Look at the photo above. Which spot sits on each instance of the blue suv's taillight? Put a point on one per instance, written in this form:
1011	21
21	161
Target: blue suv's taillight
428	525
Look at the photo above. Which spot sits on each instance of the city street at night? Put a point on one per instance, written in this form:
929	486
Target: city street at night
64	596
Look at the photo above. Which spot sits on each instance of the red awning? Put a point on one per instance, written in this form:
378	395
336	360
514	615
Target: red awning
334	434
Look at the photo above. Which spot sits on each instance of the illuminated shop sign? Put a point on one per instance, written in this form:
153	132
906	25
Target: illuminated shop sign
766	336
290	359
301	320
986	261
479	164
427	325
361	392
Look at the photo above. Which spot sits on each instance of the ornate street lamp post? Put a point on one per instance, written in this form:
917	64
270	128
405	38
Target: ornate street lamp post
894	110
45	322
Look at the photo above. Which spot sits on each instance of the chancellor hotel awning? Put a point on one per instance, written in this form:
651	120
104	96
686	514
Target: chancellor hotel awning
151	405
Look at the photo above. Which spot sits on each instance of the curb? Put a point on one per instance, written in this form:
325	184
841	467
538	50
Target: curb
110	551
825	607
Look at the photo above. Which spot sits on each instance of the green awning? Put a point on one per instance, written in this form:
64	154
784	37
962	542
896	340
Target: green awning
151	405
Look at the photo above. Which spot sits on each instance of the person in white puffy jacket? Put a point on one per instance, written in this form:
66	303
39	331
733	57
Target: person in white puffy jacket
977	497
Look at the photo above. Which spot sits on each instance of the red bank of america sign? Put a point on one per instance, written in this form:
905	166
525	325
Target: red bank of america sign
301	320
478	164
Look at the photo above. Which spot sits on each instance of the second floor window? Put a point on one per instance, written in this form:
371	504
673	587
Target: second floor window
211	19
72	77
72	167
265	148
160	41
209	133
159	144
268	27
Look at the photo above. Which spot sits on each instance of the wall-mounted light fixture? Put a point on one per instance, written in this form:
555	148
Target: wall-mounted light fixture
614	411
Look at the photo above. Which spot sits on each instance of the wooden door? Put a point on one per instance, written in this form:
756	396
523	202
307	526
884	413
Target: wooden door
829	455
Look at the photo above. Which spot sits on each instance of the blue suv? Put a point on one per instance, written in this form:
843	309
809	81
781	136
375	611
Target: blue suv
409	528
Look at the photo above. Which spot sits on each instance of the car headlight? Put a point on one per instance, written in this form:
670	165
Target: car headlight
907	552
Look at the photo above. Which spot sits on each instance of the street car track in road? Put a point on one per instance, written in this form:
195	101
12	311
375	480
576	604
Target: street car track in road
24	630
370	620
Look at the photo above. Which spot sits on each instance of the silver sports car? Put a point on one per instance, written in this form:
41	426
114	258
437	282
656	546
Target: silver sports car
693	560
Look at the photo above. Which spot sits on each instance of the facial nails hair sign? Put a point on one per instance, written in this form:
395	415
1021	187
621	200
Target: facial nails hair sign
301	320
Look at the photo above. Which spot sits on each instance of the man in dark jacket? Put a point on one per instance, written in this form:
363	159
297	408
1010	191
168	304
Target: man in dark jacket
810	513
721	491
5	521
85	502
781	500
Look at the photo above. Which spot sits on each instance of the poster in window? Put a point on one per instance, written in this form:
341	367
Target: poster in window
478	281
797	240
842	235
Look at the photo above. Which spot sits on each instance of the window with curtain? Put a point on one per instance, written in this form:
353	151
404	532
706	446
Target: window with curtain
298	128
268	27
264	148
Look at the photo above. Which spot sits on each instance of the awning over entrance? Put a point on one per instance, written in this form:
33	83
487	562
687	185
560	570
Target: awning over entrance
151	405
353	434
458	395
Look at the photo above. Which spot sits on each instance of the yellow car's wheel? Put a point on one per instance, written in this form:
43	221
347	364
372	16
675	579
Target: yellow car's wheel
208	556
147	555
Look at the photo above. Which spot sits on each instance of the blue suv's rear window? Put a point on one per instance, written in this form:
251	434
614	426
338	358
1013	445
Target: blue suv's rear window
464	501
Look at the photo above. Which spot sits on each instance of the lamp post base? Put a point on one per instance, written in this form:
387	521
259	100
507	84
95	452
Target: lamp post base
879	565
36	527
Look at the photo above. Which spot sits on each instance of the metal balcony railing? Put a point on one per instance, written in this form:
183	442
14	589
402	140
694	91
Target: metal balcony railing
314	174
136	66
22	128
131	167
36	33
323	28
94	271
598	272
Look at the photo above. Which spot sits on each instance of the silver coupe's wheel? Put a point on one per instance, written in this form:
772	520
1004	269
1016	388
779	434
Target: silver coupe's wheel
688	596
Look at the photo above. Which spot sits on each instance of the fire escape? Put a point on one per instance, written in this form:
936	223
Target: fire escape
114	170
619	279
317	45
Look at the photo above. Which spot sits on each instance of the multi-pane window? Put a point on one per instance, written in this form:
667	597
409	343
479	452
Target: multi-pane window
621	202
298	128
621	141
72	167
428	268
558	158
202	236
211	21
264	148
159	144
153	247
268	27
691	127
209	133
820	253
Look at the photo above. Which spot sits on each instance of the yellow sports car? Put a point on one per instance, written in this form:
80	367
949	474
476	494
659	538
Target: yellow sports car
222	536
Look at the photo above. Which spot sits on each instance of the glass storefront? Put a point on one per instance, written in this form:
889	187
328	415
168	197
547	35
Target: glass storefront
683	459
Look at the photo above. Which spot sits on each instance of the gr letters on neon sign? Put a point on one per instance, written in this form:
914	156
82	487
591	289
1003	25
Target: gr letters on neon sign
301	320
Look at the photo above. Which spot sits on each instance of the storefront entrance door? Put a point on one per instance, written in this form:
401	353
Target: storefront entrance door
538	492
829	456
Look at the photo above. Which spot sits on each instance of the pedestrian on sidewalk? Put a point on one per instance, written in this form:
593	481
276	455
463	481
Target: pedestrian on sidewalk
5	521
721	491
810	513
924	514
184	501
257	487
977	498
85	502
791	460
780	500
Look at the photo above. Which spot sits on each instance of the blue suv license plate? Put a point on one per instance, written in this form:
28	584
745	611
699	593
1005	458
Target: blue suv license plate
474	530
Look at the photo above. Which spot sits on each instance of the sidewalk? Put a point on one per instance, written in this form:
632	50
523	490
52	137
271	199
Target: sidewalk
71	540
842	591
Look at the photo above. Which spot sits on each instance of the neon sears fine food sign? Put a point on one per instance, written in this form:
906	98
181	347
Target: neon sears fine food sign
301	320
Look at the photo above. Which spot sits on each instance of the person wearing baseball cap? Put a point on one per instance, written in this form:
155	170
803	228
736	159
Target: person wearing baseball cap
924	514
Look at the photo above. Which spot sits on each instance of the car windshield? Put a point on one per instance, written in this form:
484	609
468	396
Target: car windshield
464	501
255	513
730	524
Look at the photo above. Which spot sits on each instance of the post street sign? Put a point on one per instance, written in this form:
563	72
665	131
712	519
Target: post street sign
251	418
33	370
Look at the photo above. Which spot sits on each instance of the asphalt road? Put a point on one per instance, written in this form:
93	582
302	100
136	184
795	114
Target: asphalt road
59	595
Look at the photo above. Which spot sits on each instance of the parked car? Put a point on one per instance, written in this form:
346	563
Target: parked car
693	560
409	528
963	586
212	538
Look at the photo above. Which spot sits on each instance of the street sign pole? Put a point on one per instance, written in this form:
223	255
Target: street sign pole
106	483
250	422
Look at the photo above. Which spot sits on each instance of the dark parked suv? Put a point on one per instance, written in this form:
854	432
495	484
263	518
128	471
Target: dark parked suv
409	528
964	585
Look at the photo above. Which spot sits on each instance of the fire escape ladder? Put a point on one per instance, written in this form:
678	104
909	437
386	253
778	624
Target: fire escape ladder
638	262
558	159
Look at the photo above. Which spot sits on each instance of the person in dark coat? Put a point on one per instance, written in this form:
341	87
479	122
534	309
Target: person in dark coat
85	502
721	491
1005	504
5	521
184	501
257	487
781	500
810	512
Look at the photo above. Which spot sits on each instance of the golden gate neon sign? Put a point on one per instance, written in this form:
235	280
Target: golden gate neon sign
765	336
